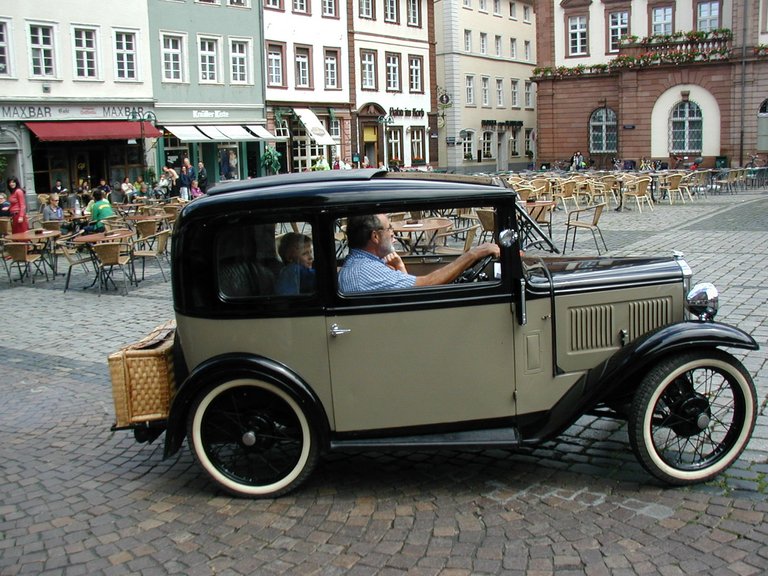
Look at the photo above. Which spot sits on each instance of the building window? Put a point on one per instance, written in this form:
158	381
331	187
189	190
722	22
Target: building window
393	72
391	13
497	7
513	48
300	7
273	4
281	129
368	70
366	9
125	56
303	62
334	128
577	36
513	146
417	146
469	83
514	93
529	143
42	51
395	144
485	91
707	16
209	60
173	57
618	27
85	53
330	8
603	132
331	68
304	149
499	92
661	20
5	50
467	40
238	3
414	13
468	145
415	74
483	43
529	94
513	10
686	128
240	67
487	144
483	5
498	46
527	51
276	65
527	14
467	3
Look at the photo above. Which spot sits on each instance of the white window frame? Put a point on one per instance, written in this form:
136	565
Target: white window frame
365	8
6	50
126	56
707	16
529	97
331	61
276	65
487	144
415	74
302	66
483	7
498	46
527	51
468	145
43	51
497	7
618	27
467	40
330	8
469	89
526	14
240	66
514	93
466	3
209	61
300	6
414	13
500	92
513	10
513	48
393	66
368	69
273	4
85	53
239	3
485	91
178	55
391	11
418	149
661	20
577	35
483	43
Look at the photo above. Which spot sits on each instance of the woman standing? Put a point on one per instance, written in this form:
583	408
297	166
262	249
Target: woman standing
17	198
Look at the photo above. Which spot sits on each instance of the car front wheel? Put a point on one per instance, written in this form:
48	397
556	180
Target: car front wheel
692	416
252	438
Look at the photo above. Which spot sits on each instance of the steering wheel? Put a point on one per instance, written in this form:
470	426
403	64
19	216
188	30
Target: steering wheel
471	273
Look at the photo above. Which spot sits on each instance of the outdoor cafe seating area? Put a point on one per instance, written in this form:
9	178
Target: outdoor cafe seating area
67	252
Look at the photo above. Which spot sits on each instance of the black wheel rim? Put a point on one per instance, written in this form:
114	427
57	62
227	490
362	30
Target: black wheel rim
698	418
251	436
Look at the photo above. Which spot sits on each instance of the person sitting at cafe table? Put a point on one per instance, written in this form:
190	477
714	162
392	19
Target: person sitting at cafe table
100	210
373	263
5	206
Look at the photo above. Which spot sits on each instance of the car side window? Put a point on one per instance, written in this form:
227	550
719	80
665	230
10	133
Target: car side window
255	260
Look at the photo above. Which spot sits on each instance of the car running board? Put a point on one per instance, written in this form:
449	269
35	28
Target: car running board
496	437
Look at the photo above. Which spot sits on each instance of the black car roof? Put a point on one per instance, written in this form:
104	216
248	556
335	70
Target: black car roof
348	187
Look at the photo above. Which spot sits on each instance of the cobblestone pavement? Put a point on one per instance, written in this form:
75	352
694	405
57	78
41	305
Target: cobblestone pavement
79	499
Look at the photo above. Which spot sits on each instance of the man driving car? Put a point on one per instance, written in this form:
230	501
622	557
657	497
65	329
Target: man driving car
373	263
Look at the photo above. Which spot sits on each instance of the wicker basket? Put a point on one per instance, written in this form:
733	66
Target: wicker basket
143	382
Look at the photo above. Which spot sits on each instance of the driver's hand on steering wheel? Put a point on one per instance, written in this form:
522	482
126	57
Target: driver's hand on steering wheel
486	249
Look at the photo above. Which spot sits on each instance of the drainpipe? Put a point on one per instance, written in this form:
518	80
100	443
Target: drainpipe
743	81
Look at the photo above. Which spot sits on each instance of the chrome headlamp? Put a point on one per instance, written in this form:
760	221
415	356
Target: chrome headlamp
702	301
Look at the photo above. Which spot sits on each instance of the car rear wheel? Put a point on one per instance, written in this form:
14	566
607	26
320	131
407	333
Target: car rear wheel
692	416
252	438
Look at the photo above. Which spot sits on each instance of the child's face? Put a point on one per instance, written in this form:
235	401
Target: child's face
304	255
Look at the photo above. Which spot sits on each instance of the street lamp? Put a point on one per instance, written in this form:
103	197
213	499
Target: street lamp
141	116
385	121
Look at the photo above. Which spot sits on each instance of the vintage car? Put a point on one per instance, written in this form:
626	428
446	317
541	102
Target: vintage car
510	354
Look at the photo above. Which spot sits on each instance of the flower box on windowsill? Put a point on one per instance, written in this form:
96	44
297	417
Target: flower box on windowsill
418	162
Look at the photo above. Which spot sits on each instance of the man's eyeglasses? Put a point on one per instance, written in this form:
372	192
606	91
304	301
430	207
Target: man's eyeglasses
388	228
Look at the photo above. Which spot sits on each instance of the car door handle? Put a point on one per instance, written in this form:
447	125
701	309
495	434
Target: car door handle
337	330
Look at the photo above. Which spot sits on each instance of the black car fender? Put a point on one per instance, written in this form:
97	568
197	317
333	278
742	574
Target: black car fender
617	377
232	366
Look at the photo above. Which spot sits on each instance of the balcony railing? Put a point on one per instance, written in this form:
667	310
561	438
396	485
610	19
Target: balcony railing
678	48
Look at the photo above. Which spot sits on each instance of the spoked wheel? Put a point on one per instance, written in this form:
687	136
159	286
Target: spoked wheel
692	416
252	438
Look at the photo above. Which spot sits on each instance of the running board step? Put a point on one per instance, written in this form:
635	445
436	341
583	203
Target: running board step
496	437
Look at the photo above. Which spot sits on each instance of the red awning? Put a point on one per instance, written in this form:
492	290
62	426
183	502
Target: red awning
107	130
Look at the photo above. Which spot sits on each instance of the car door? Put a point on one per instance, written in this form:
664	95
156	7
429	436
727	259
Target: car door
423	356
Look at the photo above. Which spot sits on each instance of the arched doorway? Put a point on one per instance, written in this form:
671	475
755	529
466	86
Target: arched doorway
371	133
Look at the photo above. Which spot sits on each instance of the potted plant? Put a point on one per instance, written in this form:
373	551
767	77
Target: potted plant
270	160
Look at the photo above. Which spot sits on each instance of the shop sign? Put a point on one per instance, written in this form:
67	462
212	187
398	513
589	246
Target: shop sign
196	114
26	112
406	112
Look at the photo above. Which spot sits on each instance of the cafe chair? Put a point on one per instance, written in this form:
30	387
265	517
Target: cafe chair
670	186
110	255
575	223
146	231
158	250
29	264
487	218
566	193
6	262
68	249
52	225
469	233
638	189
5	227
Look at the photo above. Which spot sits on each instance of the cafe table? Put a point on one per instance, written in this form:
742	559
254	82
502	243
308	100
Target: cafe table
97	238
42	238
419	235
